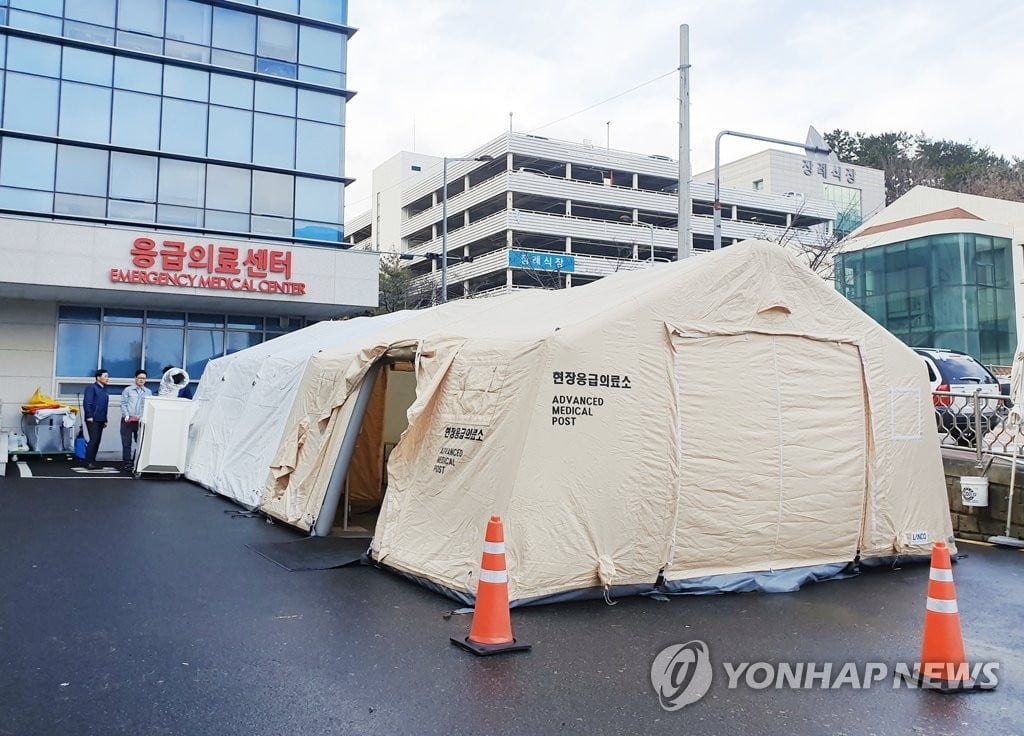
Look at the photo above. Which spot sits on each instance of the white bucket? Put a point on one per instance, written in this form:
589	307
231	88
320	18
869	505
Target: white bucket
974	490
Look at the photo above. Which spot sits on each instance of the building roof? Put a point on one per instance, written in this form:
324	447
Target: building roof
923	210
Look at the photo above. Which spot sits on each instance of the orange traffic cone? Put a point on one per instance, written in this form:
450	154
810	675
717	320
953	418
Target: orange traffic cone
943	665
491	631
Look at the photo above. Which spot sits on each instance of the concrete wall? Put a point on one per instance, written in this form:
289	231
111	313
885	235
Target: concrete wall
27	340
981	522
27	344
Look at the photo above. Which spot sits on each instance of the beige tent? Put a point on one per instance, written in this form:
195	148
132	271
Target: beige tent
725	422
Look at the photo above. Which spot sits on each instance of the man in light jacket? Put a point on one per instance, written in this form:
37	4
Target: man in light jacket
133	398
94	406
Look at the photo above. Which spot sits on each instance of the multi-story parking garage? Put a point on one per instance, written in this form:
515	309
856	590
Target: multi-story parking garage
537	212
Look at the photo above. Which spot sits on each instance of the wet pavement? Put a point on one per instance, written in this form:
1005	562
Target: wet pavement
136	608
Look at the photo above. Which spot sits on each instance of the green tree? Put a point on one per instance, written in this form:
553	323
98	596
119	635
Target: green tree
395	288
911	160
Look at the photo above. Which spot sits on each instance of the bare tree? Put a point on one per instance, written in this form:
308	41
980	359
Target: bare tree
819	255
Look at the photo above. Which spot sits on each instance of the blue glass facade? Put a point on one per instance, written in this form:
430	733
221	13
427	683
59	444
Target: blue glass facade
953	290
123	340
221	116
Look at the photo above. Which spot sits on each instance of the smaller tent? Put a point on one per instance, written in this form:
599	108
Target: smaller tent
725	422
237	420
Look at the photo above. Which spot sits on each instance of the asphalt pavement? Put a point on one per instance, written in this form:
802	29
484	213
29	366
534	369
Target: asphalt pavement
135	607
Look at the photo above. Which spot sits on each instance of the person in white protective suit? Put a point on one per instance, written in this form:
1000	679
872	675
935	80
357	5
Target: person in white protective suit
173	382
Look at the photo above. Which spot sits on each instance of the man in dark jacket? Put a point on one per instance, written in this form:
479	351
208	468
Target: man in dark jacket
95	409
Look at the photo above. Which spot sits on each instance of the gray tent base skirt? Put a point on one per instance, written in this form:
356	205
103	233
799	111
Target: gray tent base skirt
766	581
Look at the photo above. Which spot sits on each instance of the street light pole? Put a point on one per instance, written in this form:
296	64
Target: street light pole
718	141
444	230
651	228
444	218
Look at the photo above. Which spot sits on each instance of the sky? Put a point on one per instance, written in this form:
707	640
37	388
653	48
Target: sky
440	77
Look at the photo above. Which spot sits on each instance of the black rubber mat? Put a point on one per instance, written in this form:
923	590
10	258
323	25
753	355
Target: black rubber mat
54	467
314	553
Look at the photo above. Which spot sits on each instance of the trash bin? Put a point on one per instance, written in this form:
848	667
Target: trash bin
44	434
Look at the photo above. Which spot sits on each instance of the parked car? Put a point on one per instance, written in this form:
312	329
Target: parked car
959	374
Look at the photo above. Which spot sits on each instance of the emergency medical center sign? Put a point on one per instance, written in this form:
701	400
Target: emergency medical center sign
209	266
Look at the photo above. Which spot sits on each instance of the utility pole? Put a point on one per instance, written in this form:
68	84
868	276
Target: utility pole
685	205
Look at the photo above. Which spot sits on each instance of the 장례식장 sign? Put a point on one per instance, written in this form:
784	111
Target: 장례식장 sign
541	261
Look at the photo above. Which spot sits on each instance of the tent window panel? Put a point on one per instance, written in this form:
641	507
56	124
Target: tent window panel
907	413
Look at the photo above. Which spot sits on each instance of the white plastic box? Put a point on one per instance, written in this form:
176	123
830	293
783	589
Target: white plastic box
163	436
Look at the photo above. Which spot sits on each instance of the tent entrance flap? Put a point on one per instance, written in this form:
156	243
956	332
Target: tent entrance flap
379	419
773	472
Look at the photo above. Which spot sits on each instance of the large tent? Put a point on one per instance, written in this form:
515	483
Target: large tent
724	422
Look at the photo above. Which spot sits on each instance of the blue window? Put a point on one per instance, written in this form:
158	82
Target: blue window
318	231
26	199
78	349
99	12
164	346
230	134
277	68
183	127
79	314
275	98
234	31
231	91
27	164
48	7
227	188
82	170
190	51
133	177
138	211
139	42
77	204
136	122
316	199
241	340
86	32
189	22
87	66
182	182
272	194
321	48
166	318
141	76
34	22
35	57
123	316
285	6
173	215
85	112
231	60
277	39
319	106
30	104
318	148
141	16
273	226
273	141
228	221
122	350
332	11
240	322
321	76
188	84
202	346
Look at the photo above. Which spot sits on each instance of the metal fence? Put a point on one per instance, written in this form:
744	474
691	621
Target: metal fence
976	422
